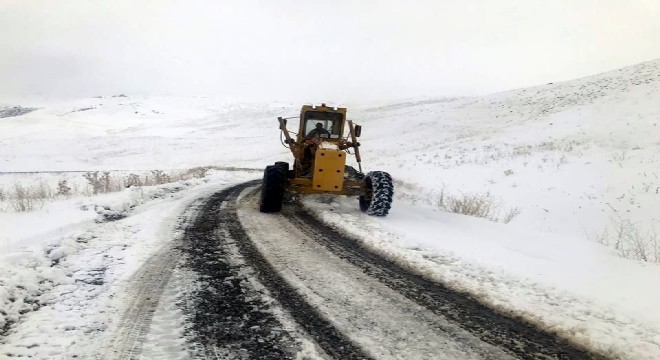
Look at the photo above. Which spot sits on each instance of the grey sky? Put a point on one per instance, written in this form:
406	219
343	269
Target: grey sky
342	51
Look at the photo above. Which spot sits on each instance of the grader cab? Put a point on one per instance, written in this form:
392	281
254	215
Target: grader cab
320	149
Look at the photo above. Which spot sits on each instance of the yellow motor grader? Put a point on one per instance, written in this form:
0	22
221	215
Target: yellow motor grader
319	150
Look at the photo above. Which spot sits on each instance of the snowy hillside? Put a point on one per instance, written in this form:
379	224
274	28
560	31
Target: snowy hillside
570	170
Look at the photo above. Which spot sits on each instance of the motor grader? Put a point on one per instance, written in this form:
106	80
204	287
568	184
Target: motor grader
320	150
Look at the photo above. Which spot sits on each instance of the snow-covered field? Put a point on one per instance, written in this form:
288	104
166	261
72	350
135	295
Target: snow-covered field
574	165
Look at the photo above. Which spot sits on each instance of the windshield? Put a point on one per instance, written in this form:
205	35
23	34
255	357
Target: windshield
330	124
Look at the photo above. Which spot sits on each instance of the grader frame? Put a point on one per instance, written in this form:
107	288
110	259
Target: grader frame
320	150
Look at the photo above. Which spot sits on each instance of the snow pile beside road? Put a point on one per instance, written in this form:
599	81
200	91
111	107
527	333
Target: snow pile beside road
34	258
29	253
587	294
74	271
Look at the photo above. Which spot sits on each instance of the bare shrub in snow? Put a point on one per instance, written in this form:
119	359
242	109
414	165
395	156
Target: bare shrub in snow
478	205
629	241
199	172
106	182
132	180
654	245
23	199
42	191
521	151
160	177
441	197
511	214
94	181
546	146
103	183
63	188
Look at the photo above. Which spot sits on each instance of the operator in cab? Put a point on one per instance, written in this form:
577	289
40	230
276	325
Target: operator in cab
317	131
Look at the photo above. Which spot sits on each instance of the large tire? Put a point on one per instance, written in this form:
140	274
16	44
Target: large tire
285	166
380	190
272	188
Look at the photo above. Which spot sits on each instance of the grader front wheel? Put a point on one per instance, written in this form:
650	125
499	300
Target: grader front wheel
380	189
272	188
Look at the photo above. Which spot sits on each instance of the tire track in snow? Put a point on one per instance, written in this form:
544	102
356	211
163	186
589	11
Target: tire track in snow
380	320
509	333
145	289
231	317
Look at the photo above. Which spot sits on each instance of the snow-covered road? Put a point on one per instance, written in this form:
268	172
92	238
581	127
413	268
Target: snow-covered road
276	286
380	320
239	284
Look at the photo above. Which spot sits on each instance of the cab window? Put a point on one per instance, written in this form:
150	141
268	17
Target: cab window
330	121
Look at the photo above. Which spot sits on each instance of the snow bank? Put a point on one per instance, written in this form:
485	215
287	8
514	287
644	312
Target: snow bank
33	260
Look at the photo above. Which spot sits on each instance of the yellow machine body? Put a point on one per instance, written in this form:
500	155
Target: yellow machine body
328	172
320	147
319	167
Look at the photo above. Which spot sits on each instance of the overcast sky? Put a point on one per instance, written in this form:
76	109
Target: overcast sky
341	51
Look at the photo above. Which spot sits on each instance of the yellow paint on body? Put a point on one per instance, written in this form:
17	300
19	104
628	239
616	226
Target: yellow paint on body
329	170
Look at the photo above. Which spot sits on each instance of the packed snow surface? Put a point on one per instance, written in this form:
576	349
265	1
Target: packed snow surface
570	170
